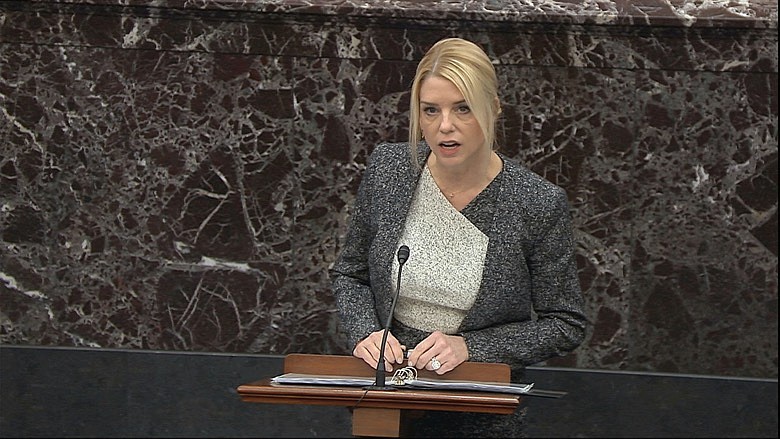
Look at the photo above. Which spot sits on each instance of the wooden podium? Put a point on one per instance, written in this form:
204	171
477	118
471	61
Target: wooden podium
381	412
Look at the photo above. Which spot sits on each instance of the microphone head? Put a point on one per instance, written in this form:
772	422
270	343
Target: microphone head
403	254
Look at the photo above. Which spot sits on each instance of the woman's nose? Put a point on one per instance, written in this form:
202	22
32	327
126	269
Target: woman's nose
446	124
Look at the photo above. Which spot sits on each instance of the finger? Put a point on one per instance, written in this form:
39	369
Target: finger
423	359
415	357
363	352
387	361
396	351
392	348
422	353
444	368
373	345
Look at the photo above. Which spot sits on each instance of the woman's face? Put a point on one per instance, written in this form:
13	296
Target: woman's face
448	124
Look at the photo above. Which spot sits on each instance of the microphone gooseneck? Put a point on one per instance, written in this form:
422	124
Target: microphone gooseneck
379	384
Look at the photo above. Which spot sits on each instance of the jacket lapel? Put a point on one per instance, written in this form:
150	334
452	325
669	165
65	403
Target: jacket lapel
500	253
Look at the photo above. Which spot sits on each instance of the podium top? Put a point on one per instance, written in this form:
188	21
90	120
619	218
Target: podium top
264	391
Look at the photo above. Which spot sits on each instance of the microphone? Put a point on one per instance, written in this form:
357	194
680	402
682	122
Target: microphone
379	384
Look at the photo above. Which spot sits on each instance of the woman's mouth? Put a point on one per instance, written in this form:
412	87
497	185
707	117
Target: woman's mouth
449	144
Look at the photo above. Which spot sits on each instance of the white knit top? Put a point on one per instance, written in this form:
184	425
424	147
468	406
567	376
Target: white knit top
442	276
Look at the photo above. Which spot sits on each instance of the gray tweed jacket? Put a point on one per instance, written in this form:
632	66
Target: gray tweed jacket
529	307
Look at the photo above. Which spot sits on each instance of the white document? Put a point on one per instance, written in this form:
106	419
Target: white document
412	382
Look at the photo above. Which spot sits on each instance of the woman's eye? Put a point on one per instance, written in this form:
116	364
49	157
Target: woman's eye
464	109
429	110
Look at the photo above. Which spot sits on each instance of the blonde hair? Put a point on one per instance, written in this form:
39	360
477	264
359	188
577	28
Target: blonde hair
468	67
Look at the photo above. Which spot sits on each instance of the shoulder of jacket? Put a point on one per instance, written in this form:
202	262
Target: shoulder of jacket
531	189
521	175
387	150
391	159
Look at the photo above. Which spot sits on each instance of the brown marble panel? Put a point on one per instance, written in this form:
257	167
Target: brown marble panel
704	284
180	176
576	127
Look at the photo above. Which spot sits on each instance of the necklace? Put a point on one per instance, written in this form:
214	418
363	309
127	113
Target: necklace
452	194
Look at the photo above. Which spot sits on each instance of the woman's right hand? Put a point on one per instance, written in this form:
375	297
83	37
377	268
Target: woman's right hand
368	350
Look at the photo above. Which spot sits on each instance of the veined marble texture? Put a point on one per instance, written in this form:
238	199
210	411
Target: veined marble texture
178	175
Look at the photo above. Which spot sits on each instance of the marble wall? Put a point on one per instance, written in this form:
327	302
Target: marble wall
177	175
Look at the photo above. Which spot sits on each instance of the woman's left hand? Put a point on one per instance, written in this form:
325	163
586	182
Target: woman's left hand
439	352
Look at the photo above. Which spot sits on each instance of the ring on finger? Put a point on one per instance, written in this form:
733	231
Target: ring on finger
435	363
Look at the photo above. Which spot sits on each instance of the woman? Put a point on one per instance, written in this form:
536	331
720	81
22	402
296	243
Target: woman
491	275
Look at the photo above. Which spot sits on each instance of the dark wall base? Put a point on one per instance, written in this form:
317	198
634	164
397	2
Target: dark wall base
55	392
61	392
